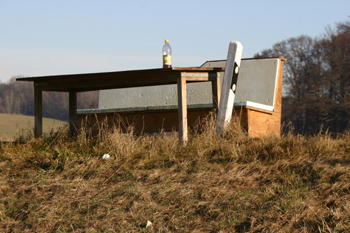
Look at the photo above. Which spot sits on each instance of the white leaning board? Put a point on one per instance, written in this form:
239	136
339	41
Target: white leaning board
229	84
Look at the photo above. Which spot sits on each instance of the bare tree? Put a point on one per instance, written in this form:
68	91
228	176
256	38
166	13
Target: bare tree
316	80
336	54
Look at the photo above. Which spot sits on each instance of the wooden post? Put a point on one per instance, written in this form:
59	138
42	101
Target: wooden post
38	112
73	113
216	92
182	108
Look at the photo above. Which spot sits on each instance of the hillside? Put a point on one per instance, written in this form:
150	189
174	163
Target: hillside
212	184
12	125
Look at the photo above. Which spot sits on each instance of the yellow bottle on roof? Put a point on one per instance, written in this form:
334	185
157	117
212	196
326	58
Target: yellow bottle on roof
166	55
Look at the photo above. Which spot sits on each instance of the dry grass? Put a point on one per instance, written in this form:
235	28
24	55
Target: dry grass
212	184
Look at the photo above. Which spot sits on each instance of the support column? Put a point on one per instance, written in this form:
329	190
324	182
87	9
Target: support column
182	108
216	91
38	112
73	113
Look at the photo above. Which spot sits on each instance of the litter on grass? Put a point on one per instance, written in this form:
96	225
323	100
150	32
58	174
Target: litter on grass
149	223
106	156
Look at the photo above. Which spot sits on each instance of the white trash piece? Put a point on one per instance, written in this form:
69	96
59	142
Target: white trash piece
106	156
149	223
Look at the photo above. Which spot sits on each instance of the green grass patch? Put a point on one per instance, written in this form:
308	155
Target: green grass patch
13	125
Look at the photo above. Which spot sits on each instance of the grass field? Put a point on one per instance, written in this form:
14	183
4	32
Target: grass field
230	183
12	125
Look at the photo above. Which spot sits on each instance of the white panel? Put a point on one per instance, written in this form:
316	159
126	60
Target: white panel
257	81
227	94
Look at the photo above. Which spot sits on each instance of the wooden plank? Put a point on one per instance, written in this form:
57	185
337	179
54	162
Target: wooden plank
120	79
261	124
278	98
38	112
149	121
254	122
73	113
156	121
117	73
182	108
216	92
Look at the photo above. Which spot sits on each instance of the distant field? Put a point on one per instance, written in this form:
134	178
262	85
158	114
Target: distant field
12	125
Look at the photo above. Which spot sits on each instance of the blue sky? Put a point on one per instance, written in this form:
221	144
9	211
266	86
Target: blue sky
43	37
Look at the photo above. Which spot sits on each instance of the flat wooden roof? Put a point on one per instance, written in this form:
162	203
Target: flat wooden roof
113	80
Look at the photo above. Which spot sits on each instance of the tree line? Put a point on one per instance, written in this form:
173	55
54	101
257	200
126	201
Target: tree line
316	80
18	98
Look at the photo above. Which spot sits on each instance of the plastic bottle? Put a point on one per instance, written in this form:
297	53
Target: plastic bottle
166	55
